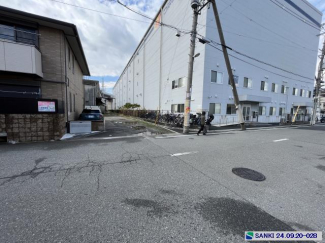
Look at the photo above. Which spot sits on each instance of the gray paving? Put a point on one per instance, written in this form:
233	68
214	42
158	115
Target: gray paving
131	189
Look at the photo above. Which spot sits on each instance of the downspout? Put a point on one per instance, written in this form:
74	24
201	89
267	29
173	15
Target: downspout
66	81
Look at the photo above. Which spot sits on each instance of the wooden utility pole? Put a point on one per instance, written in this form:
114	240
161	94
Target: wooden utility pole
187	110
231	76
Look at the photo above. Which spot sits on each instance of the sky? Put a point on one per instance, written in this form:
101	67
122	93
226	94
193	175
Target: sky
108	41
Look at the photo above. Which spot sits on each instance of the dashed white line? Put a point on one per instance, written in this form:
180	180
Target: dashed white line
280	140
185	153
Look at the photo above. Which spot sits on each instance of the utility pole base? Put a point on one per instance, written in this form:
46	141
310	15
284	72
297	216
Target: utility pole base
242	126
186	130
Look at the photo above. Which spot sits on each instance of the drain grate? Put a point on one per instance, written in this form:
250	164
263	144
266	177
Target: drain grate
248	174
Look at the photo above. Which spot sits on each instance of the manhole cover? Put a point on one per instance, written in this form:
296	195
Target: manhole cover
248	174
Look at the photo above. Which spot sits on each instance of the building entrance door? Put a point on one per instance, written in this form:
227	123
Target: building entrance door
247	112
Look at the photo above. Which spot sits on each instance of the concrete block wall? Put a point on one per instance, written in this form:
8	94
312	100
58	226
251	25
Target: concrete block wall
32	127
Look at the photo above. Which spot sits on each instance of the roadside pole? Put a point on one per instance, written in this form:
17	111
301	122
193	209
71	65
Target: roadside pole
318	84
187	110
231	76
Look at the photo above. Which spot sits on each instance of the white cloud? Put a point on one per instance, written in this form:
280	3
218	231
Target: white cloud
108	41
107	85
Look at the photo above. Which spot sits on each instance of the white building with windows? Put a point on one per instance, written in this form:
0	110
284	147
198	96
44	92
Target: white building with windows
274	52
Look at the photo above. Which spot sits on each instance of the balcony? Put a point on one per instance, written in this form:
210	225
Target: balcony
20	58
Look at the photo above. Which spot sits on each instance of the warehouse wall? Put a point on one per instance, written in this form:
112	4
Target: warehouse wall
272	35
160	59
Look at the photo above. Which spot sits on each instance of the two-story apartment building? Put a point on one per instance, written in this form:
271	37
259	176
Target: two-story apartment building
42	65
273	54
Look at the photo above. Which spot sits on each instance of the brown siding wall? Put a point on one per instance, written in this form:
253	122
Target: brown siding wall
44	127
75	87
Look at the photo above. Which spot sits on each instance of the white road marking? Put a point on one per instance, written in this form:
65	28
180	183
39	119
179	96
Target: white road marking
185	153
173	136
280	140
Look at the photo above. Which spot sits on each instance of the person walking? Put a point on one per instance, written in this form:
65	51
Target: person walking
202	123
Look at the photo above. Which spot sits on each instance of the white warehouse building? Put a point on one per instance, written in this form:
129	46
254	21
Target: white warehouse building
274	53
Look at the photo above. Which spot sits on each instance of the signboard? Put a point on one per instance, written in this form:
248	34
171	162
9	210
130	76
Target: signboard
46	106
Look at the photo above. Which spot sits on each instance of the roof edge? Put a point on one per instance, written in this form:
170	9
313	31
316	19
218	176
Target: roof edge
142	40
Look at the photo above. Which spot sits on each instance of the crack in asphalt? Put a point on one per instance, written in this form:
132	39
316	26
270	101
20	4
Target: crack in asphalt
127	157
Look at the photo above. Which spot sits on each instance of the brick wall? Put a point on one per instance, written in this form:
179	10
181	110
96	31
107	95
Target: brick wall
33	127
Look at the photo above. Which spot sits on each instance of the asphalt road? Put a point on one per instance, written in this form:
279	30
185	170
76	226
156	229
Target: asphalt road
147	189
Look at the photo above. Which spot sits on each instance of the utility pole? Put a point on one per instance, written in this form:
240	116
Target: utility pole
186	127
231	76
318	84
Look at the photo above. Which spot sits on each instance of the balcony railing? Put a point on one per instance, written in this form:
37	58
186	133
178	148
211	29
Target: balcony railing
19	34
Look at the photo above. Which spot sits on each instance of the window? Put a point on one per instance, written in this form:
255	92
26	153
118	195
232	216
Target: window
178	83
302	93
70	102
216	77
174	84
69	57
181	82
72	64
17	91
281	111
19	34
274	88
74	103
284	89
27	35
295	92
309	94
7	32
214	108
272	111
235	79
177	108
231	109
248	83
262	110
264	85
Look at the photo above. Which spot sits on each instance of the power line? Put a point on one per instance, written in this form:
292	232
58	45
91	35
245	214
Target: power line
263	62
119	16
292	13
227	7
154	20
97	11
257	23
253	38
258	66
172	62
